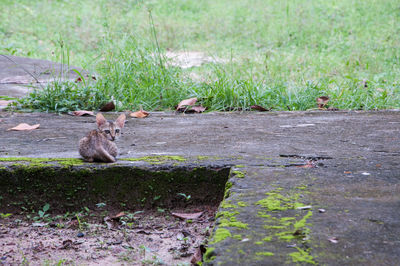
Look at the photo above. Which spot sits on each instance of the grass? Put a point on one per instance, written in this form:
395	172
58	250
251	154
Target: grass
279	54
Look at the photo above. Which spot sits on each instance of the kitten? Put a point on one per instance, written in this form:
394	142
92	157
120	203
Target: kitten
98	145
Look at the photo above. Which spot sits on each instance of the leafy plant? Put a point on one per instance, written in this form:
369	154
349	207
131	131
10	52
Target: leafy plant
42	213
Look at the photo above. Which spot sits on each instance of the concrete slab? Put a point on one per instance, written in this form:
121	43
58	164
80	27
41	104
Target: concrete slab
20	75
285	167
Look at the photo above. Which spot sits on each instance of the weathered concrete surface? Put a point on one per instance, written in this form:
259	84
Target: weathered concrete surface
19	75
354	175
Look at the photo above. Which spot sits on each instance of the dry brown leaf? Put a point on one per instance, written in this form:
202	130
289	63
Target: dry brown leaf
118	216
82	113
322	101
24	127
108	107
198	109
258	108
198	255
140	114
191	216
186	102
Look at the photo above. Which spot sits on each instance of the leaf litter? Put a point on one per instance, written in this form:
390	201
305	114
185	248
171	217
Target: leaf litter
24	127
144	236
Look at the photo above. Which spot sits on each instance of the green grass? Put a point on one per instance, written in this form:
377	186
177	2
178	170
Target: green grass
280	54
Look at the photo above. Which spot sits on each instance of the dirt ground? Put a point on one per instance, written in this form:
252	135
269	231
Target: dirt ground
154	237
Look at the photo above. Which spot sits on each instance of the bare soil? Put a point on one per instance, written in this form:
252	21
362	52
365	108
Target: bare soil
152	237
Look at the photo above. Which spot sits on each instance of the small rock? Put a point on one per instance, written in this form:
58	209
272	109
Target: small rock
80	234
321	210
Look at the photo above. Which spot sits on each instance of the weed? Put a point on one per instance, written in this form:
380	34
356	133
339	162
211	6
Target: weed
42	213
187	197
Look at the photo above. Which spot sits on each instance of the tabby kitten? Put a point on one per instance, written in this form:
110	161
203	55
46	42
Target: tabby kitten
98	145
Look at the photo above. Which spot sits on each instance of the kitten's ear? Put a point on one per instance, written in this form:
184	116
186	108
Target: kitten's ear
100	120
121	120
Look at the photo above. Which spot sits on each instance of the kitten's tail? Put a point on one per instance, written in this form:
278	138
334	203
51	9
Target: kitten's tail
103	155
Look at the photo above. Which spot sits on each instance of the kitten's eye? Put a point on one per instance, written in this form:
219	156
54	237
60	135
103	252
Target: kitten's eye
107	131
117	131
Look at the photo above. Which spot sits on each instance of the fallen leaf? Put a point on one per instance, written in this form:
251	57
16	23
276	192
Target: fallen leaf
108	222
186	102
66	244
191	216
79	79
333	240
118	216
108	107
140	114
82	113
198	109
322	101
94	78
347	172
198	255
258	108
24	127
39	224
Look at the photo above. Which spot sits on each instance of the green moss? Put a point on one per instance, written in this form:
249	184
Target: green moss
225	204
239	166
241	252
265	253
267	239
226	214
274	227
278	202
227	223
258	243
220	235
302	223
263	214
302	256
200	157
286	235
238	174
209	255
237	236
156	159
242	204
227	189
41	162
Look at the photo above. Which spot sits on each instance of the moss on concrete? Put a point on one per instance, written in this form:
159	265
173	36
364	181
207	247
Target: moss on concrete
209	255
238	174
43	162
242	204
159	159
264	253
220	234
70	188
302	256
